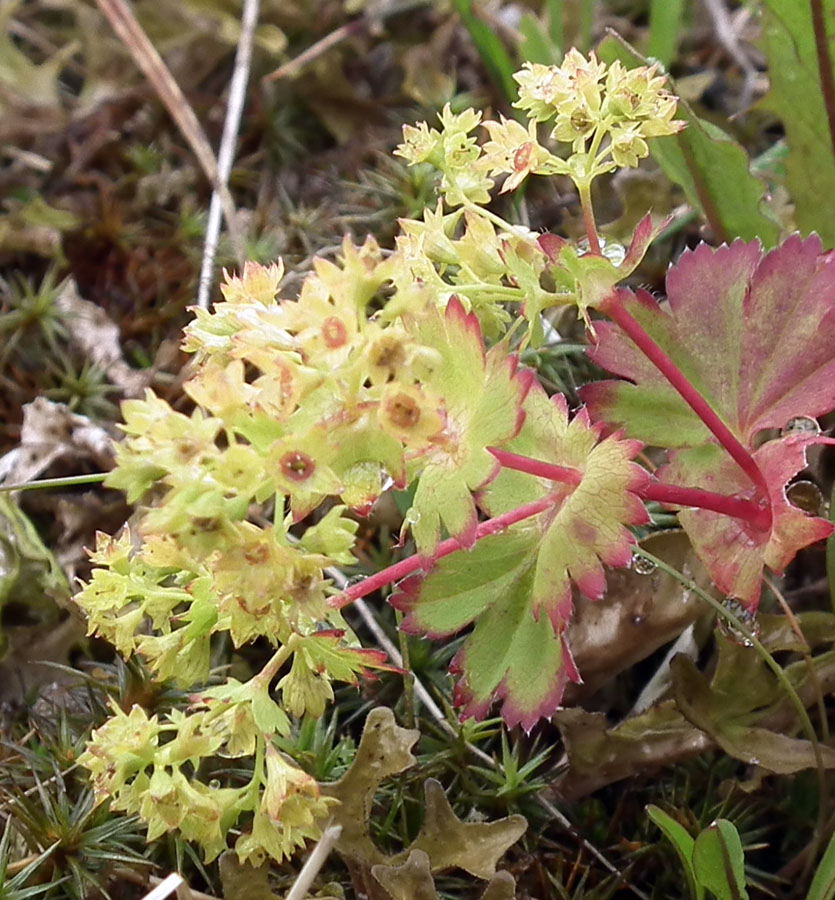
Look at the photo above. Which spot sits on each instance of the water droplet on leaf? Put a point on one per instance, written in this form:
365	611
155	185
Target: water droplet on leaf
807	496
642	565
214	784
801	425
747	618
614	252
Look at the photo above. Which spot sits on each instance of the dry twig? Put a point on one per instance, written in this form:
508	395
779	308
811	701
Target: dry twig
130	32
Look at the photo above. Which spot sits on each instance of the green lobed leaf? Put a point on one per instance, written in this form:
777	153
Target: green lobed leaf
711	709
712	168
475	847
799	83
516	586
411	880
384	749
483	395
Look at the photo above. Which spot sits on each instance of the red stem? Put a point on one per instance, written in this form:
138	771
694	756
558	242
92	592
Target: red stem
613	307
416	561
564	474
664	493
737	507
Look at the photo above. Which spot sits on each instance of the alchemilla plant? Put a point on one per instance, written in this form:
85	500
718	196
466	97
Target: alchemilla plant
397	370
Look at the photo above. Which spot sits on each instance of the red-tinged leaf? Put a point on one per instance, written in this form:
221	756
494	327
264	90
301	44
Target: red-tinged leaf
483	396
506	581
645	233
588	527
736	551
514	657
753	332
591	277
511	653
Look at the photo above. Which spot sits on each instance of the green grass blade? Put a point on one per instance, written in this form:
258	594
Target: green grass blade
556	31
683	844
823	884
537	46
583	39
490	48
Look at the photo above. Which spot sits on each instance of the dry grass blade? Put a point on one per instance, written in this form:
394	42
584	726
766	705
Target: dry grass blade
314	862
165	888
226	154
294	66
153	67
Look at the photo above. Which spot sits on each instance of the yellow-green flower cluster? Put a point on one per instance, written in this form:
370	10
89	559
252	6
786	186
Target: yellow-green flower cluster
141	773
591	101
452	150
605	112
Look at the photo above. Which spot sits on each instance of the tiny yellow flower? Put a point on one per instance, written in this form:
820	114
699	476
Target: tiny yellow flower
513	149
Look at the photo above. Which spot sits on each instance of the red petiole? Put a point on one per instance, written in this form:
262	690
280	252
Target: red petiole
613	307
737	507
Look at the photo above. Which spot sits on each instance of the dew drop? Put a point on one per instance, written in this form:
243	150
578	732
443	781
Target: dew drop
614	252
745	616
801	425
413	516
642	565
214	784
806	496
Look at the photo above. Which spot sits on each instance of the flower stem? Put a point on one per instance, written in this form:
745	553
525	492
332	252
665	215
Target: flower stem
277	660
498	221
414	562
613	307
584	190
